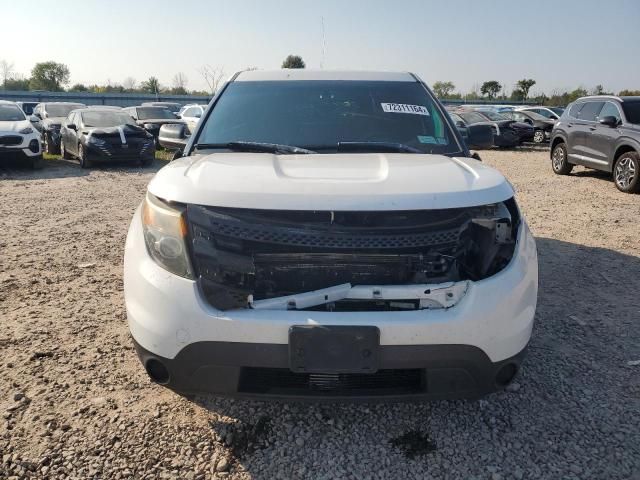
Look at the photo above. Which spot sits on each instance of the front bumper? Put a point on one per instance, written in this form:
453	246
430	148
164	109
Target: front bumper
109	153
22	151
204	349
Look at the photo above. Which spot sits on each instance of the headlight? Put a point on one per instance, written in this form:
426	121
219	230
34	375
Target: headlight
95	141
165	232
26	130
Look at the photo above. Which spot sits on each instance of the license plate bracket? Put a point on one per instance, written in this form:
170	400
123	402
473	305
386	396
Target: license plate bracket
333	349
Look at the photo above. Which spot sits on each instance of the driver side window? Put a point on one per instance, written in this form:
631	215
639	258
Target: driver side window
609	110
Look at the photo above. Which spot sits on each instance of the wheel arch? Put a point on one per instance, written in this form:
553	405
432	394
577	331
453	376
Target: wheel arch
555	141
623	148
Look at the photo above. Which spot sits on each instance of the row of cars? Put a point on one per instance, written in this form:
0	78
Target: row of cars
88	133
504	126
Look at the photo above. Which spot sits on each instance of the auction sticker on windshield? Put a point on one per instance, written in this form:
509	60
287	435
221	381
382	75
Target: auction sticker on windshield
404	108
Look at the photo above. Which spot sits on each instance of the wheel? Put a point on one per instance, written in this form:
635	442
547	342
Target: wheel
64	152
49	147
36	162
559	161
538	136
82	156
626	172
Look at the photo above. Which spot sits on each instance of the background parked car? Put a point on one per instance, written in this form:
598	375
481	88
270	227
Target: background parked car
191	114
503	134
552	113
524	130
27	107
478	135
99	134
173	107
542	125
152	118
603	133
50	116
18	139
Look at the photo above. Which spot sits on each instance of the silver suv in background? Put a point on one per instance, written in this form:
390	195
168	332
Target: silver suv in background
600	132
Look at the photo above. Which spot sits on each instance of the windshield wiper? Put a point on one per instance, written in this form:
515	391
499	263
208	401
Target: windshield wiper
376	147
260	147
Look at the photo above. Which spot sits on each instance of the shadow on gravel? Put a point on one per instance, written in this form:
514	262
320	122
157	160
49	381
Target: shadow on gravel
574	411
59	168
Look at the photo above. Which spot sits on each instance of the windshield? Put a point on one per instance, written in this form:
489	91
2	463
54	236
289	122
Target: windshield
146	113
318	115
11	113
557	110
535	116
632	111
106	119
473	117
61	110
493	116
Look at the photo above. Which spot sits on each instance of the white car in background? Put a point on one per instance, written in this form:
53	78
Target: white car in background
327	234
191	114
19	140
552	113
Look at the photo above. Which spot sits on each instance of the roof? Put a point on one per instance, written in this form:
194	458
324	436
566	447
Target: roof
304	74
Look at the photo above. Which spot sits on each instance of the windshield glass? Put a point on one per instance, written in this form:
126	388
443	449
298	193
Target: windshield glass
146	113
493	116
317	115
557	110
106	119
61	110
632	111
473	117
11	113
535	116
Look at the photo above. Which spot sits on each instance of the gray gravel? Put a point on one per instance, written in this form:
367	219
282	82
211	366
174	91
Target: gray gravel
75	402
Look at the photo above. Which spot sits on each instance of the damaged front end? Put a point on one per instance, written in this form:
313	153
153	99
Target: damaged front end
347	261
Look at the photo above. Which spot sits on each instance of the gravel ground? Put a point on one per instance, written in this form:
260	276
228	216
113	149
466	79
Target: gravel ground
76	403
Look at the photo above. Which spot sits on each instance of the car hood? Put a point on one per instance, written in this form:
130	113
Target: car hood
13	127
330	181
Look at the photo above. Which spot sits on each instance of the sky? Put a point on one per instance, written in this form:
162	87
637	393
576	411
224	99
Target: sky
562	44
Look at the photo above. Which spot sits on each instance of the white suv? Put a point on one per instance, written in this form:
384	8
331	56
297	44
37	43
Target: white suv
18	139
327	235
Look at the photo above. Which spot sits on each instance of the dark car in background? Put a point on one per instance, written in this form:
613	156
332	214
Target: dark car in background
27	107
552	113
504	135
99	135
152	118
542	126
50	116
524	130
478	135
600	132
173	107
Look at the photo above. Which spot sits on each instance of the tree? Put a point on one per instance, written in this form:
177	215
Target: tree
79	87
50	76
293	61
213	76
6	70
490	88
129	84
179	84
152	85
443	89
17	83
524	85
629	93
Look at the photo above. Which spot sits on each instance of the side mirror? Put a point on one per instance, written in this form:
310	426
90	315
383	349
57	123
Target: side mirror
480	137
460	124
34	119
178	115
528	121
72	126
609	121
173	136
476	156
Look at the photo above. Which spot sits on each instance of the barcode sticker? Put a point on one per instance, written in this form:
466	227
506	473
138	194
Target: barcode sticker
405	108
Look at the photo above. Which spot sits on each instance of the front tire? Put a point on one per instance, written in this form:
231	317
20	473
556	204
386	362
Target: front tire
538	136
82	156
559	162
64	152
626	172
